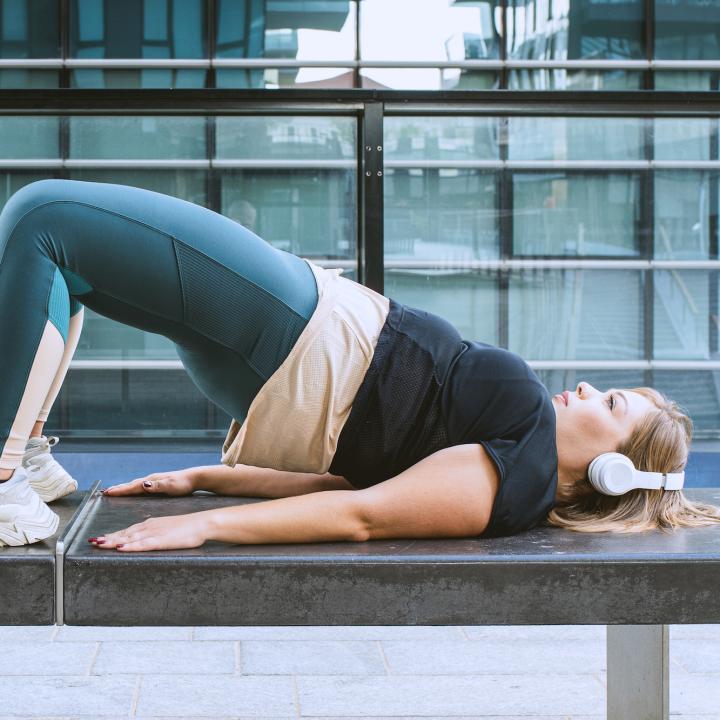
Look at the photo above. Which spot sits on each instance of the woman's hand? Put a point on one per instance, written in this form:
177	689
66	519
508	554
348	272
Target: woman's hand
174	483
165	533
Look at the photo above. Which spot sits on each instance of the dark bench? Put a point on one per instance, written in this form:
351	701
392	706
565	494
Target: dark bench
637	585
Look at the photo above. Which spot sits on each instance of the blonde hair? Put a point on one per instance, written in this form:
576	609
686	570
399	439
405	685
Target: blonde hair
660	442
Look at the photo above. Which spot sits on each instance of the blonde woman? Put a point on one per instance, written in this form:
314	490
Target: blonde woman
358	417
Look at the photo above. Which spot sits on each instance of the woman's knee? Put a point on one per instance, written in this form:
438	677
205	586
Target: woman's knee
29	197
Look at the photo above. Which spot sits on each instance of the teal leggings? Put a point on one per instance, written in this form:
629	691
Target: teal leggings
232	304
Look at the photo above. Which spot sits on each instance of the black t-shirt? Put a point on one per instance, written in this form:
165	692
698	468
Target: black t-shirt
428	389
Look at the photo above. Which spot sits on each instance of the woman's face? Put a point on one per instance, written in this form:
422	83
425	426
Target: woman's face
594	422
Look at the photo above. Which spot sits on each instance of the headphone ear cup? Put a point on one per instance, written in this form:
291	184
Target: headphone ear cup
612	474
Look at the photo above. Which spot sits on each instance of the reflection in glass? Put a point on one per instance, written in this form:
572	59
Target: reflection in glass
285	31
574	30
687	80
310	213
137	29
440	31
576	213
467	299
575	138
29	29
142	138
576	314
442	138
558	79
188	185
440	214
681	314
24	137
682	214
696	391
172	78
17	78
681	138
143	403
687	30
286	138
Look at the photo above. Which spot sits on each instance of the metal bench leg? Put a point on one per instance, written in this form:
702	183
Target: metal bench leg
638	686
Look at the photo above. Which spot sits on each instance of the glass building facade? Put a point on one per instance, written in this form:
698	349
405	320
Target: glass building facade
582	236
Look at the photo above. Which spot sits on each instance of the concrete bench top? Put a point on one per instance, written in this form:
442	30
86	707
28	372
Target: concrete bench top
544	576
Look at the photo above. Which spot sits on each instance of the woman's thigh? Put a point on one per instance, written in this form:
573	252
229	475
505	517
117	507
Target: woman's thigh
227	299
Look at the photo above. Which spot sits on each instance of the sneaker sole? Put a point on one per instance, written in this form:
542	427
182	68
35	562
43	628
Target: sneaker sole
53	489
30	529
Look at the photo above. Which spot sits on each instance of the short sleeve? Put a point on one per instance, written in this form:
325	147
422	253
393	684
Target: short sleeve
528	483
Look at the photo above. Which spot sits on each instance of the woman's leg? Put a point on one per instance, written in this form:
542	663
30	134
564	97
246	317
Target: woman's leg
232	304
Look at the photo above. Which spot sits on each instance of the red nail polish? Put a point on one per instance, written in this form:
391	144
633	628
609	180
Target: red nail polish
118	546
100	542
92	539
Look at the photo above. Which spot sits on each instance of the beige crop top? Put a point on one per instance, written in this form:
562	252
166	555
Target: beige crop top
294	421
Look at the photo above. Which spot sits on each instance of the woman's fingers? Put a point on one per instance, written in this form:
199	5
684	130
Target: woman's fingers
134	487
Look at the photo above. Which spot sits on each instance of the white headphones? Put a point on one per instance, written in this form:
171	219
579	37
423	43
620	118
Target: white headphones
614	474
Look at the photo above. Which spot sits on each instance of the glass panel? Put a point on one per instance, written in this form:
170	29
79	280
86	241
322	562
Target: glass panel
186	184
131	138
137	29
681	314
146	403
576	29
697	393
467	299
273	78
309	213
554	79
687	30
129	78
440	214
686	80
29	29
594	314
575	138
323	30
682	214
443	138
286	138
576	213
16	79
26	137
681	138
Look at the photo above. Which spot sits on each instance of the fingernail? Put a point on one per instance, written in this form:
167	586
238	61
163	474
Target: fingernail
100	542
103	491
118	546
92	539
147	483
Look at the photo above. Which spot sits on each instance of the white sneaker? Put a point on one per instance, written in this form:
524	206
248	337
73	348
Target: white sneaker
24	517
47	477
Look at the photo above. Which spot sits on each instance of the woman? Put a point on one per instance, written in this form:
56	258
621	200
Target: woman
363	418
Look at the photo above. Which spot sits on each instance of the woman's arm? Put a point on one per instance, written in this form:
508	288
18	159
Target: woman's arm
447	494
250	481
